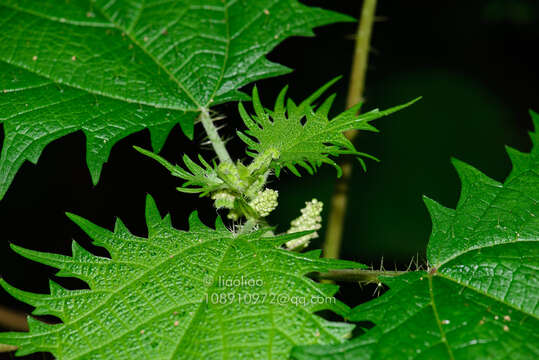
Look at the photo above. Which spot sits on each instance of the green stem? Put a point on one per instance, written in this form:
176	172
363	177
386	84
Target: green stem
216	141
362	276
356	85
339	199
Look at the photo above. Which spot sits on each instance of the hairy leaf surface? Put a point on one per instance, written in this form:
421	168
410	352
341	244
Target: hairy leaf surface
303	134
198	179
111	68
197	294
479	299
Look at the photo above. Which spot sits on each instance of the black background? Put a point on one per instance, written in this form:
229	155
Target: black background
474	63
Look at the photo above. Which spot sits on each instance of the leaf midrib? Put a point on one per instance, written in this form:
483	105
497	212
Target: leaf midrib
437	318
131	36
134	280
155	60
309	138
196	314
432	304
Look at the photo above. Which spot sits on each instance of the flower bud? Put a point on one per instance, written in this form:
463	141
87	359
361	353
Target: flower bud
265	202
223	199
310	219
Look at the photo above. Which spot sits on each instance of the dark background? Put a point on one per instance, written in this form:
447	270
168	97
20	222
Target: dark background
474	63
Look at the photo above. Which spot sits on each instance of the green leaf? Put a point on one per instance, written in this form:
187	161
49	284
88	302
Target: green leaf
113	68
479	298
169	296
303	134
198	179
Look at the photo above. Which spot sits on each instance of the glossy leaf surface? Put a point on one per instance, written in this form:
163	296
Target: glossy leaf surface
111	68
304	134
198	294
479	299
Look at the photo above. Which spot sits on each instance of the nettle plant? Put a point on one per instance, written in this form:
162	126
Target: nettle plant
240	291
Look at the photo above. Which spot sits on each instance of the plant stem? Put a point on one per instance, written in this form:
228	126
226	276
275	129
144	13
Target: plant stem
7	348
357	275
339	200
216	141
12	319
248	226
356	85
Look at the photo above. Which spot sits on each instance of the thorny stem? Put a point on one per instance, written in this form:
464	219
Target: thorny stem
339	200
213	135
362	276
224	157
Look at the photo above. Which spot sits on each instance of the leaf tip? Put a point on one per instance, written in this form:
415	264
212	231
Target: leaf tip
428	201
535	118
194	220
73	217
3	189
457	163
152	212
20	250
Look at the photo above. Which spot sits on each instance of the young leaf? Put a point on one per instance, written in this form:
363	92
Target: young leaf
203	180
479	298
113	68
194	294
303	134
